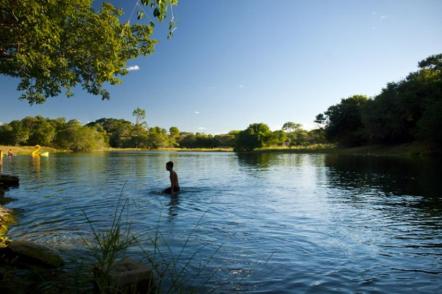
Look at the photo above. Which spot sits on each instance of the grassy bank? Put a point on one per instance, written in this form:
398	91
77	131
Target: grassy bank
27	150
403	150
315	148
173	149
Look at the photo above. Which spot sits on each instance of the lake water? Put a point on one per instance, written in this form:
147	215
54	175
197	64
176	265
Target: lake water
251	223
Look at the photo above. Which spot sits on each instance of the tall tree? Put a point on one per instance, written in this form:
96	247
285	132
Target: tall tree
255	136
118	130
344	121
140	116
174	136
157	138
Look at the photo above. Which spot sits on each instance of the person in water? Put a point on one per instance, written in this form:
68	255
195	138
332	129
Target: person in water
10	154
174	186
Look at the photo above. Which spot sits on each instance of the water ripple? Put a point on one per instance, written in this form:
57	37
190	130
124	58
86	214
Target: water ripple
269	223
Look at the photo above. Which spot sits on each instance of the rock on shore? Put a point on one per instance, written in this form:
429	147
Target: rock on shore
29	253
7	181
129	276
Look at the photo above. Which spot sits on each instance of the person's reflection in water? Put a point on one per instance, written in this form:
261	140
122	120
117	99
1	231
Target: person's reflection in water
252	160
173	206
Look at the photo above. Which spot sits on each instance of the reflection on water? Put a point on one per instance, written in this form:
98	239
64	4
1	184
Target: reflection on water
285	222
391	175
173	206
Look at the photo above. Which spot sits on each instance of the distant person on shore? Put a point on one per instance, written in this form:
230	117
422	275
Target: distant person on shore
174	186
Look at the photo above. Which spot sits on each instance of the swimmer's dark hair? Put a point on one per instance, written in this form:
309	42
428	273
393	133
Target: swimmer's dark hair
170	163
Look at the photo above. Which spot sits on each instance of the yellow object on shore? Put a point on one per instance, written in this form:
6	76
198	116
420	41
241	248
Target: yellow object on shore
36	152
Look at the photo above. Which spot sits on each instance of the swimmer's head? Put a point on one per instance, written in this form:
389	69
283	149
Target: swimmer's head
169	165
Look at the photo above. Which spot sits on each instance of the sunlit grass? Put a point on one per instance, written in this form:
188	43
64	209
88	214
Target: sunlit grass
173	149
27	150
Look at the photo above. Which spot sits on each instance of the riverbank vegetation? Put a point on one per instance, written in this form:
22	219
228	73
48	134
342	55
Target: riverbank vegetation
57	133
405	112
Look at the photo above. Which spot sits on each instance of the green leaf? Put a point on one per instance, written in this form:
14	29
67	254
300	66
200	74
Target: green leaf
140	14
156	12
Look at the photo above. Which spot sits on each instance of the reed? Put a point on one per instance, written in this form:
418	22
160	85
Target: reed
170	271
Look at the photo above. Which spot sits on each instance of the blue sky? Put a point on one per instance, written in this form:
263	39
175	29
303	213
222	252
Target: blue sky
236	62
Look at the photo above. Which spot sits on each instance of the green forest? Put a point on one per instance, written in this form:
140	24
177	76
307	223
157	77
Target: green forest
406	111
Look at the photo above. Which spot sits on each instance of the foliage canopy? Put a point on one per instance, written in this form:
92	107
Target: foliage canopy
56	45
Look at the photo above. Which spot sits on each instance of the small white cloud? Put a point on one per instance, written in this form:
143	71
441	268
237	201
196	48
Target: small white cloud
383	17
133	68
241	86
201	128
196	112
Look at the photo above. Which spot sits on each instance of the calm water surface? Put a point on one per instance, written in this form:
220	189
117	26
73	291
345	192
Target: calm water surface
255	223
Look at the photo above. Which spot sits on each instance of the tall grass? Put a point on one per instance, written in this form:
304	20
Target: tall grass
108	246
169	271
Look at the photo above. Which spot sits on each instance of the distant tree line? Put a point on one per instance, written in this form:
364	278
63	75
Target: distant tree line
120	133
405	111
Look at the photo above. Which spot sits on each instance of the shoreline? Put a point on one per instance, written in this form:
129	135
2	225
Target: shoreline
402	150
27	150
409	150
